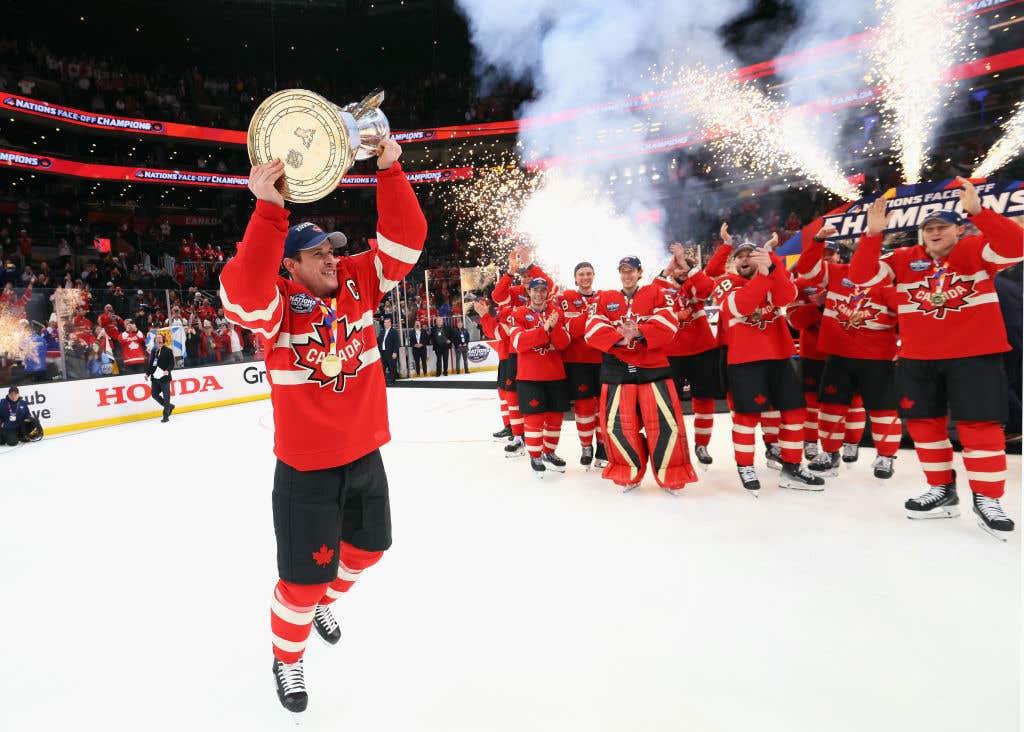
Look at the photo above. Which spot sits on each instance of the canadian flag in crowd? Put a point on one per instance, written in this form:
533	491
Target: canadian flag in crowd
101	245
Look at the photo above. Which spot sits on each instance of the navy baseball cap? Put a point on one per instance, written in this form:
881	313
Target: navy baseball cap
537	282
832	244
950	217
742	244
308	235
630	261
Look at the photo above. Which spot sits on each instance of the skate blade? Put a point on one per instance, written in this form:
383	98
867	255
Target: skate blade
755	494
511	455
1003	536
539	476
802	487
704	466
554	469
674	492
630	488
933	514
774	465
600	464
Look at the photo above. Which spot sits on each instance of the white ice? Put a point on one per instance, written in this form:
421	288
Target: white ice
138	563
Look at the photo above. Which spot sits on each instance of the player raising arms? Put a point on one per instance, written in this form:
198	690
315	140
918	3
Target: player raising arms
760	372
330	500
951	340
631	327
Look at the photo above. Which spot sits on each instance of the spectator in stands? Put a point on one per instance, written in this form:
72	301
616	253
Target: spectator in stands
209	345
98	362
15	417
192	338
34	361
133	348
461	344
419	339
230	343
24	248
111	323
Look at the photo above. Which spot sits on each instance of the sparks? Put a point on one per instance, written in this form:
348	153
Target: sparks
753	132
910	56
1006	148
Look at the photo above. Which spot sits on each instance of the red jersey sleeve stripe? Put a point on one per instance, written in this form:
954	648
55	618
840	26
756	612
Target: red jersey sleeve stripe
404	254
265	321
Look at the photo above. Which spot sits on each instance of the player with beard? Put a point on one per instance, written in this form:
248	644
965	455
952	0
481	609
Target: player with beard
583	364
760	372
538	335
693	353
330	503
952	338
632	327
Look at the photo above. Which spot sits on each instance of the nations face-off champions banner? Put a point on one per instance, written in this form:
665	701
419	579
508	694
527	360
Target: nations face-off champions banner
67	406
910	204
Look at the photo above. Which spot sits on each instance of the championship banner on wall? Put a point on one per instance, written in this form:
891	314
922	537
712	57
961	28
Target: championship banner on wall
910	204
67	406
95	171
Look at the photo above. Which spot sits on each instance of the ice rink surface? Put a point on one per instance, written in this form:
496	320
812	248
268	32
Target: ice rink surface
139	562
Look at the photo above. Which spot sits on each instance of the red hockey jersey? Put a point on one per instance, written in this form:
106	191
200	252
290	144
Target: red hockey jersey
949	308
858	322
751	310
491	329
689	297
323	421
652	311
715	268
575	308
507	293
540	357
805	316
133	347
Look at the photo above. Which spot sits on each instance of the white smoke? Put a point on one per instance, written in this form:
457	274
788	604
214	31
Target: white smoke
580	53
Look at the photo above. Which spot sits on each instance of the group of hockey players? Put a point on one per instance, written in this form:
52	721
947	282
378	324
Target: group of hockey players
916	332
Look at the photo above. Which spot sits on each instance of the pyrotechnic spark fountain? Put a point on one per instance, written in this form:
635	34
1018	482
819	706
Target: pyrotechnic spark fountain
1006	148
915	45
755	133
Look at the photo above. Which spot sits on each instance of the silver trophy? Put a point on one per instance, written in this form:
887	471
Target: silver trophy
366	123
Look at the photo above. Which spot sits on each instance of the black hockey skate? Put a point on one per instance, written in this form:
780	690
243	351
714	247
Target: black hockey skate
748	476
796	477
325	624
991	517
587	456
882	467
703	456
539	469
825	463
851	452
810	450
773	456
291	686
600	456
553	462
515	448
505	433
941	501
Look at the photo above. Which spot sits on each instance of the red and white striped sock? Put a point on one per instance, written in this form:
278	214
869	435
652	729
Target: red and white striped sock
984	457
830	425
504	407
515	419
586	419
351	562
934	450
743	426
291	617
552	430
770	422
791	434
886	431
534	424
811	420
703	420
856	418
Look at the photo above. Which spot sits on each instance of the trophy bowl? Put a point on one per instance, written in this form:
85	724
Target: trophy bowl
317	140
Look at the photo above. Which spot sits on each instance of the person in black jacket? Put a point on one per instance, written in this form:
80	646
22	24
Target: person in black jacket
15	417
388	346
441	339
161	362
419	338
